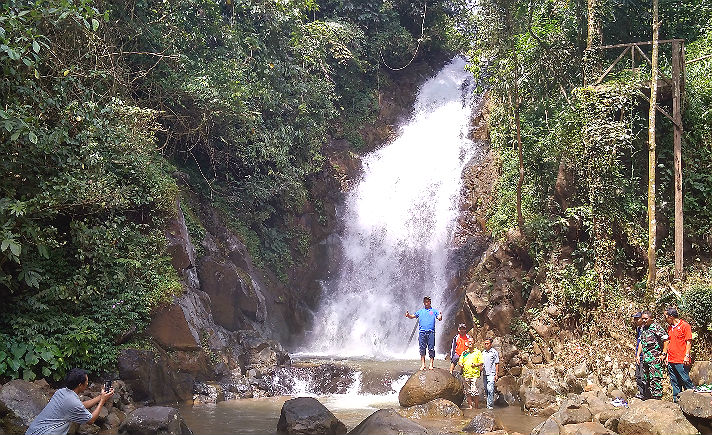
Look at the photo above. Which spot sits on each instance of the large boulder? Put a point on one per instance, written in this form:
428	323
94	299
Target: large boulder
484	422
20	402
508	390
427	385
695	404
388	422
587	428
305	415
573	410
154	420
654	417
549	380
701	372
151	378
438	408
547	427
533	400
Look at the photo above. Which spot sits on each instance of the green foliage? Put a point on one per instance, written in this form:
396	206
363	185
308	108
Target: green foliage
83	198
250	91
531	56
576	291
696	305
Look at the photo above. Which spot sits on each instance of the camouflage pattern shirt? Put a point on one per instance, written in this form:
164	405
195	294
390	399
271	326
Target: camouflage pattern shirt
651	341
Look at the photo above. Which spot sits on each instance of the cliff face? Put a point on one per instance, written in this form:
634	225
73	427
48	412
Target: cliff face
233	318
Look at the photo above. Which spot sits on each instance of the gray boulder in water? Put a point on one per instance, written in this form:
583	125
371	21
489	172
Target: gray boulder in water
20	402
154	420
484	422
427	385
306	415
387	422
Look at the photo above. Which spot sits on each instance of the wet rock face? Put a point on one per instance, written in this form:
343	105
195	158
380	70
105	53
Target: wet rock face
438	408
484	422
260	353
654	417
170	328
232	295
322	379
388	422
305	415
150	420
20	402
426	385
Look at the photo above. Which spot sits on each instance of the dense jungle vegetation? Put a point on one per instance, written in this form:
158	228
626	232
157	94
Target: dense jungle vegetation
105	104
103	101
590	232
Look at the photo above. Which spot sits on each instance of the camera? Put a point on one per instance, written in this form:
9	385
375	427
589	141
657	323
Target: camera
107	385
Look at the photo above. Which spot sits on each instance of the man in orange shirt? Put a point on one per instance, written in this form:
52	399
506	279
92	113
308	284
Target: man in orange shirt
677	348
460	343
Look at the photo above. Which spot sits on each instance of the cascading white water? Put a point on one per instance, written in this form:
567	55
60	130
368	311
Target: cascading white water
398	225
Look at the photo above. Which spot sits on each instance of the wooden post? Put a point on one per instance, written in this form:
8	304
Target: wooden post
677	154
652	222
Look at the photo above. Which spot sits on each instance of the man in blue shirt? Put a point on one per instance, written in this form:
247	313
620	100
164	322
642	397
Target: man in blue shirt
426	337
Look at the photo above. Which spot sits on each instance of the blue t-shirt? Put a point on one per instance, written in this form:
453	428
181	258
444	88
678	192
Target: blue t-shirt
426	318
63	408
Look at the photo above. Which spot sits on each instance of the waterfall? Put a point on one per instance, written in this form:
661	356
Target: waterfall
398	225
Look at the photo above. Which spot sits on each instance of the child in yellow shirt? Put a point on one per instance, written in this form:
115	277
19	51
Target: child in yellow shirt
471	363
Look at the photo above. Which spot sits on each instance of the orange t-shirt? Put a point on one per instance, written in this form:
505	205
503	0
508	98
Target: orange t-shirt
462	344
679	334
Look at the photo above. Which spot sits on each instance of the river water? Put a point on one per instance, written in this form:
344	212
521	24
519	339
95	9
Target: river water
375	386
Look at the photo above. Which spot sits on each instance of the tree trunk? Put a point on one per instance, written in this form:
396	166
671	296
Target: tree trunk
595	29
678	56
651	152
520	183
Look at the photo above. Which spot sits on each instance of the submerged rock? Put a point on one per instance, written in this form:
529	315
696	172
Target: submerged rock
306	415
388	422
151	420
427	385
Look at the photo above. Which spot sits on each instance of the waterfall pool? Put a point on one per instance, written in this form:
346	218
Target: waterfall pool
375	386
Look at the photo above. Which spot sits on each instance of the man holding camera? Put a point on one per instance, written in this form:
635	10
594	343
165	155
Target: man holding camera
65	407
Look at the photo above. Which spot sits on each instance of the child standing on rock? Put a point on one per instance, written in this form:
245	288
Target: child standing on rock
471	362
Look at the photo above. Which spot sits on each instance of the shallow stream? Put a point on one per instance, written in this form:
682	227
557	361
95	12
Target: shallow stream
375	385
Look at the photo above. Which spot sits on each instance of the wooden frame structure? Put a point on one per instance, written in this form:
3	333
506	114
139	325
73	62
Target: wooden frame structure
677	83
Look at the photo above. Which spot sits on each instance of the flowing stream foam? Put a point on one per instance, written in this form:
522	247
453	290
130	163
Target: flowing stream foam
398	225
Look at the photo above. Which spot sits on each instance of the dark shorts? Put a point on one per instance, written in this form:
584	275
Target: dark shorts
427	339
455	359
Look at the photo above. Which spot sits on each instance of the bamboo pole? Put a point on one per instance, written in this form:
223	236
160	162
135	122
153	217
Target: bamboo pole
651	152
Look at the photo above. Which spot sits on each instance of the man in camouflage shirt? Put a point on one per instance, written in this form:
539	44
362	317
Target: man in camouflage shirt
650	356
